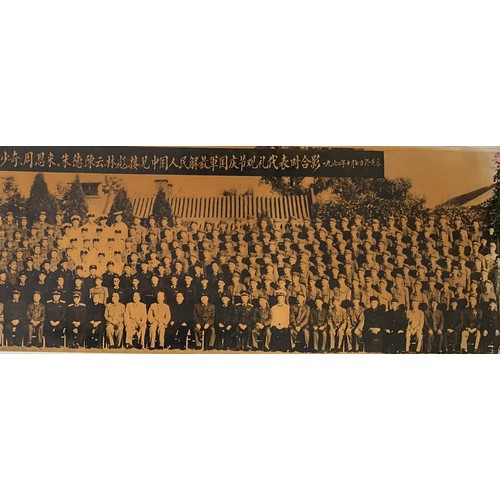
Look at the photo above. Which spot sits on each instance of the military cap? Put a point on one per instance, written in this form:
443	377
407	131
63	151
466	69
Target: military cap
77	294
56	292
373	298
75	217
118	213
93	266
110	262
280	294
245	293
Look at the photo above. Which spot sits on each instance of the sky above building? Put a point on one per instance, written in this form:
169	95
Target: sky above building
436	173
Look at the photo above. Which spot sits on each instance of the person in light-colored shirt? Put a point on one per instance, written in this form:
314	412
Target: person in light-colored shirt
416	321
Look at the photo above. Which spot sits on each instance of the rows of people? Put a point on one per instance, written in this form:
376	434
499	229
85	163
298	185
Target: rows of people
323	285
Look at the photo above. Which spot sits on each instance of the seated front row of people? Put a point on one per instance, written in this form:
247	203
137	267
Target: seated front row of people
324	327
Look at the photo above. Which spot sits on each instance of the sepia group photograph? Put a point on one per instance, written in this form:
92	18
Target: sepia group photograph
271	249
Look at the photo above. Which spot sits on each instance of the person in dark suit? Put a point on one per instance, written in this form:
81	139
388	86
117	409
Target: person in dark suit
55	312
94	323
261	331
299	322
453	323
490	328
244	315
204	323
394	328
318	325
180	325
373	325
472	325
433	328
224	323
76	316
16	319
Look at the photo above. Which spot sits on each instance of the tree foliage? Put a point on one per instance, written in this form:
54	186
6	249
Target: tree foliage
346	197
492	206
73	201
122	203
161	207
14	201
40	199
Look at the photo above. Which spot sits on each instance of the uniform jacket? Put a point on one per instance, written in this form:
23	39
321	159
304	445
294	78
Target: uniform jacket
225	315
434	320
204	314
36	312
245	314
75	312
299	316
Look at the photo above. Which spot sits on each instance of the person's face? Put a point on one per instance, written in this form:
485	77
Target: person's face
56	297
262	303
115	298
225	300
374	304
281	299
394	305
319	303
160	297
204	300
119	218
136	298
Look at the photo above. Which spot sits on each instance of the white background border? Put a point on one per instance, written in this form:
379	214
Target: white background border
262	73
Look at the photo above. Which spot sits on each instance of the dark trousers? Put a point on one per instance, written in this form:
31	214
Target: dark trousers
176	336
75	335
393	342
35	334
224	338
280	339
54	335
373	341
242	338
16	335
452	341
433	343
94	336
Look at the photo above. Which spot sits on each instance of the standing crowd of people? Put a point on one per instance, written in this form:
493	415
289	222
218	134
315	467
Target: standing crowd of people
347	285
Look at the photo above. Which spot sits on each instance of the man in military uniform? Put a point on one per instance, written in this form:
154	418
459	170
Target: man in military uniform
36	320
472	325
76	316
136	318
299	322
115	316
434	327
337	324
15	317
119	228
355	324
453	327
261	331
159	317
244	322
204	321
